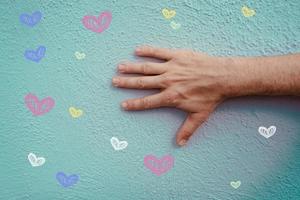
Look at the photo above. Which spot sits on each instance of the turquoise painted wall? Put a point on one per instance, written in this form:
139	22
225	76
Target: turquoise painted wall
227	159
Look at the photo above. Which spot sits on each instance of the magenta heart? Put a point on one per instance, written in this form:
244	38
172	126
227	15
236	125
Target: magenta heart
159	166
97	24
38	107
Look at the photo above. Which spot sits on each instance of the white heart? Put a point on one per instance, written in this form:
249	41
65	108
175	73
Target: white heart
267	132
36	161
118	145
235	184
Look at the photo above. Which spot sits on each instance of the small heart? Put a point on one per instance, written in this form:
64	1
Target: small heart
235	184
159	166
247	12
35	55
175	25
35	161
97	24
267	132
168	14
38	107
74	112
31	20
118	145
79	55
66	181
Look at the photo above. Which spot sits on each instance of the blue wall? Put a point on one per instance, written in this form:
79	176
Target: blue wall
228	147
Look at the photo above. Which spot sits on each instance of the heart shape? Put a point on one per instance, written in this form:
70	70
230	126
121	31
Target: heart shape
175	25
168	14
35	161
159	166
267	132
97	24
235	184
79	55
247	12
35	55
74	112
31	20
118	145
66	181
38	107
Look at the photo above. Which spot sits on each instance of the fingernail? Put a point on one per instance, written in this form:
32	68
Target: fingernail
121	67
115	81
182	142
124	105
138	50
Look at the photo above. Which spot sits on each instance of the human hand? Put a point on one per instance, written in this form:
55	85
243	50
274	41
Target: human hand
190	81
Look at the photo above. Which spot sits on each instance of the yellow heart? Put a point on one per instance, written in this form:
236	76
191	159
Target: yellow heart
247	12
168	14
74	112
79	55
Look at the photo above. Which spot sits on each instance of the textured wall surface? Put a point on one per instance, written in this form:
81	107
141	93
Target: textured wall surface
227	148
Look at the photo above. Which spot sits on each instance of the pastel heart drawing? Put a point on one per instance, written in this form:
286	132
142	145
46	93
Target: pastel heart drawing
38	107
175	25
35	55
35	161
79	55
168	14
31	20
247	12
66	181
97	24
118	145
74	112
235	184
267	132
159	166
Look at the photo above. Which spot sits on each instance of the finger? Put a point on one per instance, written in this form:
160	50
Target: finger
148	102
142	82
160	53
190	125
147	68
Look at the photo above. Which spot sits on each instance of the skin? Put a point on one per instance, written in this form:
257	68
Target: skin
197	83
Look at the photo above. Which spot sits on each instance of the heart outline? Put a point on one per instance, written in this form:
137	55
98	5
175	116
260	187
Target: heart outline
35	55
36	107
248	12
98	27
35	161
160	167
168	13
31	20
66	181
235	184
75	112
79	56
175	25
117	144
267	132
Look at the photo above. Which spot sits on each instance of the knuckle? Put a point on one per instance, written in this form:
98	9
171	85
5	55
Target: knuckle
145	68
172	98
140	83
145	102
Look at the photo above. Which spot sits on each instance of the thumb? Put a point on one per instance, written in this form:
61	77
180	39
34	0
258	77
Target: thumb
190	125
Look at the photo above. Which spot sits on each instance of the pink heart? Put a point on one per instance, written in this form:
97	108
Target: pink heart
159	166
97	24
38	107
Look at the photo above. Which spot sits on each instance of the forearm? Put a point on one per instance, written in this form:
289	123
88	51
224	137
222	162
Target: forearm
277	75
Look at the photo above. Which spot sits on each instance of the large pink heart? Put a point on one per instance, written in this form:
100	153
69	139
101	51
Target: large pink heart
159	166
38	107
97	24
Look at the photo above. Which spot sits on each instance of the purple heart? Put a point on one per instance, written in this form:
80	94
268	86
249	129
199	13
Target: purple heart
35	55
66	181
31	20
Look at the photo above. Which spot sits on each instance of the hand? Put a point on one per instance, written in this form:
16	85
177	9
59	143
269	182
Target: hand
191	81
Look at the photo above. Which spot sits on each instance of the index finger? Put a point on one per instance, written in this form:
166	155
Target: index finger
155	52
